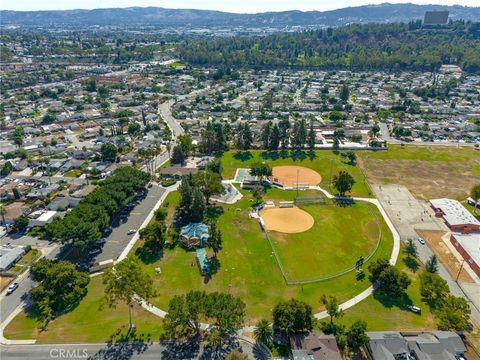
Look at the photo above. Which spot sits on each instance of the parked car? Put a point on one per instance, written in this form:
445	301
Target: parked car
12	288
131	231
94	252
414	309
421	241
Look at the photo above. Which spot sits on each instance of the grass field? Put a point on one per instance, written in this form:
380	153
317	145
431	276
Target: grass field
392	314
87	323
326	163
330	246
247	267
428	172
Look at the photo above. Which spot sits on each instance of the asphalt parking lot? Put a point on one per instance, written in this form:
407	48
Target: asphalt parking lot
119	238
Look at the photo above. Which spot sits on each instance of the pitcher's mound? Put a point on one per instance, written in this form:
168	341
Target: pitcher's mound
287	220
289	176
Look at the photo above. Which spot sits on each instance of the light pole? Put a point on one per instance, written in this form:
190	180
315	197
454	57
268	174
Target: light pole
460	270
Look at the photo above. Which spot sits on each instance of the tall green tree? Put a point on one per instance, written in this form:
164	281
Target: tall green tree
109	152
215	240
454	315
293	316
343	182
127	282
410	248
475	195
178	156
332	306
311	137
357	335
431	265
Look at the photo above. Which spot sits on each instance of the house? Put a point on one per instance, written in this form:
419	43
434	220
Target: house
62	203
42	191
435	345
194	235
314	345
455	215
176	172
9	255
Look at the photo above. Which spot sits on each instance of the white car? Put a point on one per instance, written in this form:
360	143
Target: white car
12	288
131	231
414	309
421	241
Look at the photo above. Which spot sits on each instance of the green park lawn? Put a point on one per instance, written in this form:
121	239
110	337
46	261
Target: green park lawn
73	173
247	267
87	322
383	314
326	163
339	236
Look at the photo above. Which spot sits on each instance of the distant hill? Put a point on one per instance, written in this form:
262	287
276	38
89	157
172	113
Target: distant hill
207	18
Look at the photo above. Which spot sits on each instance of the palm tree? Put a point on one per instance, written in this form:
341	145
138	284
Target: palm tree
263	332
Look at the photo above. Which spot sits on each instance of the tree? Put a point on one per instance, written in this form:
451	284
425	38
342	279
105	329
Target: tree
214	241
178	157
431	265
109	152
198	206
332	306
393	282
260	169
344	93
274	140
343	182
185	142
293	316
153	236
210	183
352	157
61	287
183	316
336	143
21	223
127	282
375	268
257	192
226	312
134	128
475	195
311	137
265	135
7	168
357	335
433	289
3	212
410	248
91	85
454	314
263	332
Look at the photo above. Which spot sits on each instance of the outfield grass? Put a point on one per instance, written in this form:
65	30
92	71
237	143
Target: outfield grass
428	171
326	163
87	323
330	246
247	267
391	314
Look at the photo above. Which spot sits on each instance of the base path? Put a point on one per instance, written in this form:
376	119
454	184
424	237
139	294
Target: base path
292	176
287	220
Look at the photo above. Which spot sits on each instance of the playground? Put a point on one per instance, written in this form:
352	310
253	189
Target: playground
295	176
288	220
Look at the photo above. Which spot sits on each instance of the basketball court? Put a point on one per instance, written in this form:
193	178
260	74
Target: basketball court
288	220
295	176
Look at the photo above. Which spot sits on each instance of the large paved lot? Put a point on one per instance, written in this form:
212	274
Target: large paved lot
119	238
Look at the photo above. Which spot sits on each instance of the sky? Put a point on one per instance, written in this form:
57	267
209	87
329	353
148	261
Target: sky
243	6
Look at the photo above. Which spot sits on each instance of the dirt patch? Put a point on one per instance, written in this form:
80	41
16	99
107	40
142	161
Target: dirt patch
4	282
287	220
290	176
434	240
425	179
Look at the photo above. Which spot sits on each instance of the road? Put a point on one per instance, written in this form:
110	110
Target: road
166	114
9	303
119	351
50	179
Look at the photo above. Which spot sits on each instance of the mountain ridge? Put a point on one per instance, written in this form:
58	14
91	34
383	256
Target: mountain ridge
159	16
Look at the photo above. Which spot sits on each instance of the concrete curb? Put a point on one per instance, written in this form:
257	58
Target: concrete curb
5	341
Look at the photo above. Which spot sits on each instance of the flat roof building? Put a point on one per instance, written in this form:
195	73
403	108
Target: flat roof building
455	215
468	245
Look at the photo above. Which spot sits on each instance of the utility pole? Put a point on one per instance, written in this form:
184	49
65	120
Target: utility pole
459	271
